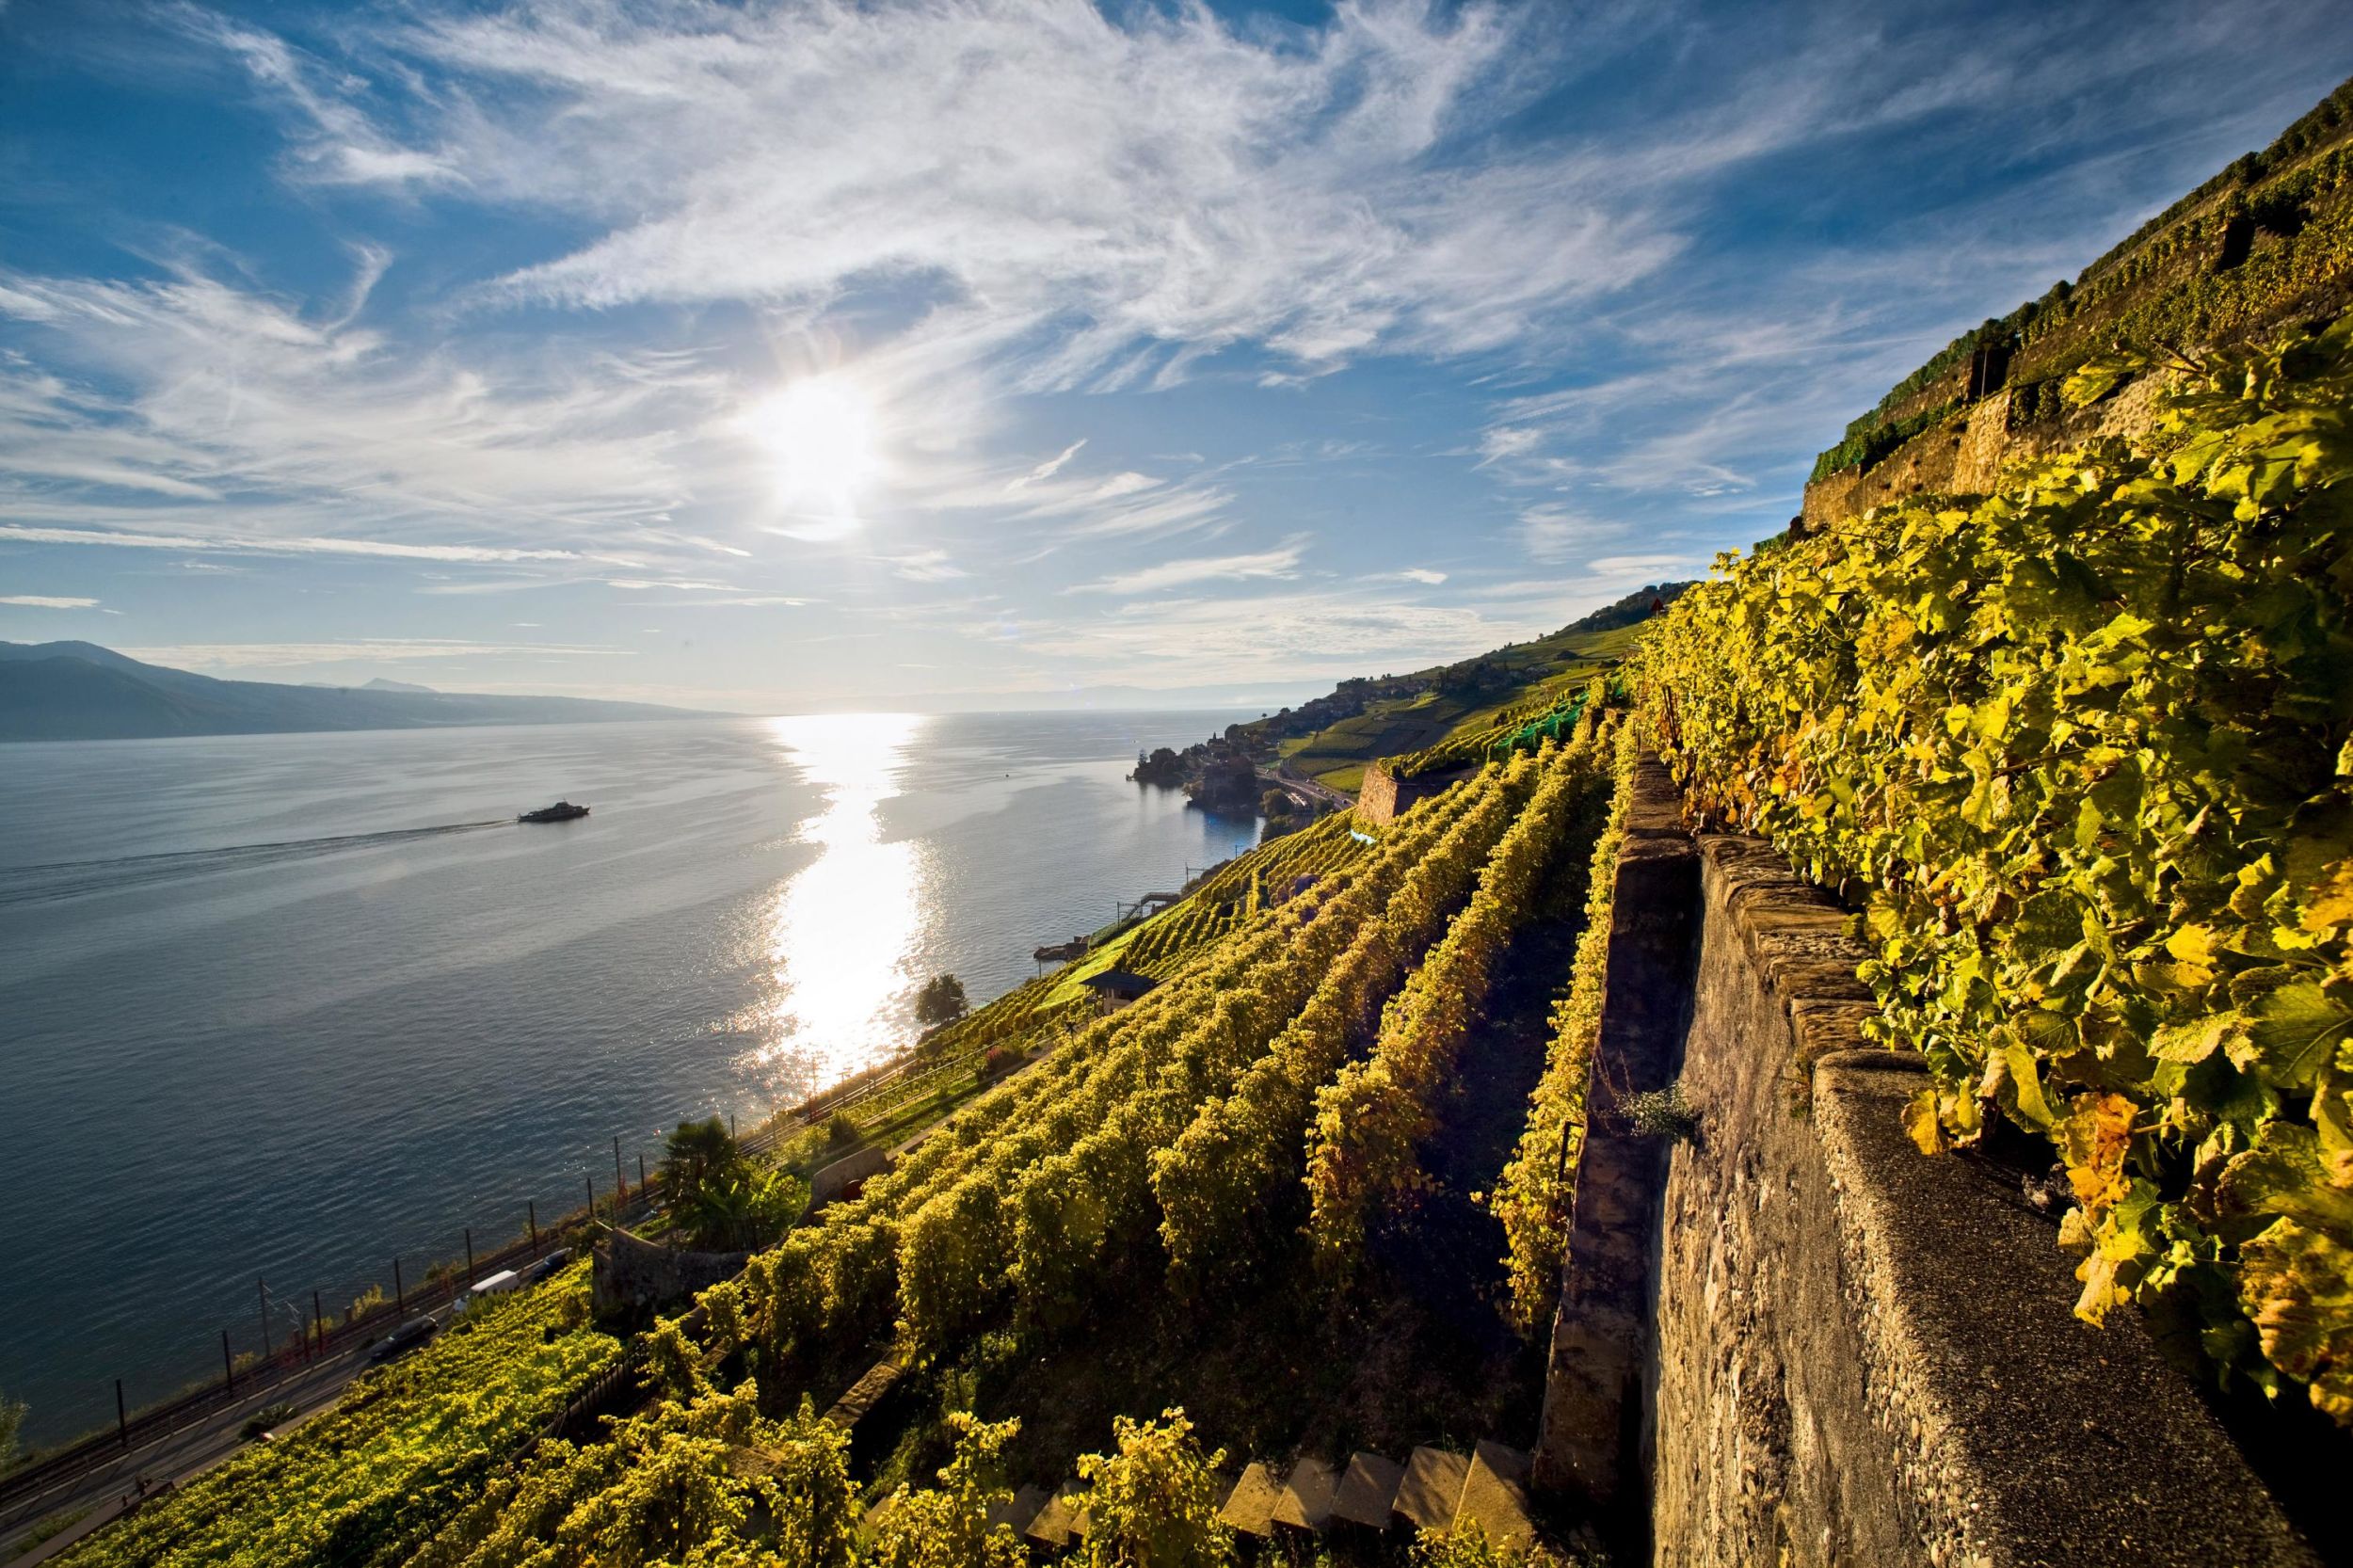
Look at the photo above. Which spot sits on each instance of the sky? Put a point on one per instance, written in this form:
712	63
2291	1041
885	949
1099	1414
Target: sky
1004	353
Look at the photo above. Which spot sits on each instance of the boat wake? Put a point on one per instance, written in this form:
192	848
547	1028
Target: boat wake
62	879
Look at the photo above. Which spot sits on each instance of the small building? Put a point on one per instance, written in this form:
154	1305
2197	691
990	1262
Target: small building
1116	988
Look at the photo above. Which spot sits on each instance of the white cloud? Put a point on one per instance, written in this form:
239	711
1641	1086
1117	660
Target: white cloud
1048	468
1280	563
188	390
48	601
1121	197
1551	531
381	547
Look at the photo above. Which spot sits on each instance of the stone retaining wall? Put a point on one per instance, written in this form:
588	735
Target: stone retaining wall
1867	1355
1848	1352
631	1275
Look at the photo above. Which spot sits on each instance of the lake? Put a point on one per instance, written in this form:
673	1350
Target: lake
283	1007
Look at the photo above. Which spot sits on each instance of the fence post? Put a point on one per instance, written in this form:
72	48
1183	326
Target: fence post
470	1257
228	1366
640	1172
262	1285
318	1322
122	1421
620	1182
591	1183
530	1212
400	1297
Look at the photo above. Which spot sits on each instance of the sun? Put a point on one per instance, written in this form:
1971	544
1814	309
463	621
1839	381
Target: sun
821	431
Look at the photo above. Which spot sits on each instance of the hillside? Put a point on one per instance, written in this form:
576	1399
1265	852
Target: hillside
82	691
1331	739
2267	241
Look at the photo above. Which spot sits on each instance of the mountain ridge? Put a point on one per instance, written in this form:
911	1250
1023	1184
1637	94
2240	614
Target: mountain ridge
78	691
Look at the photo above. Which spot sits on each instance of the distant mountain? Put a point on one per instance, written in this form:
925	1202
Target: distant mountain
82	691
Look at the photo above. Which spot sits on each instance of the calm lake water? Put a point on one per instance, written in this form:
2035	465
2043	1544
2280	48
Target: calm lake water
281	1007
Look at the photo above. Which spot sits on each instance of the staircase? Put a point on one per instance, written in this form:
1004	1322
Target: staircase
1485	1490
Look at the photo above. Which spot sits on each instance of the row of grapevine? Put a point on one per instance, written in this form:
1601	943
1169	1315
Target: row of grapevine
702	1477
1234	892
407	1445
1223	1183
930	1240
1372	1119
1532	1198
2085	743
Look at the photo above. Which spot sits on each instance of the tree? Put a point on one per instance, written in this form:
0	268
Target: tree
1154	1503
940	1002
693	1153
741	1209
11	1423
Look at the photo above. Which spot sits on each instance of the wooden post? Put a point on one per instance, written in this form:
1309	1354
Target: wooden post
470	1257
318	1322
591	1183
530	1212
263	1287
228	1365
400	1297
620	1182
122	1421
641	1172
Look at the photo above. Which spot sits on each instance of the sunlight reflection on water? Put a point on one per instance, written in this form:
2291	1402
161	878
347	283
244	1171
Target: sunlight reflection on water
842	932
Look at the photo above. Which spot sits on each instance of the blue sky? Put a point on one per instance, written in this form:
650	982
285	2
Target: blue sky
983	353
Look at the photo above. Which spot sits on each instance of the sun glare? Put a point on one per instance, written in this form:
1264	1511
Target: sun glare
821	430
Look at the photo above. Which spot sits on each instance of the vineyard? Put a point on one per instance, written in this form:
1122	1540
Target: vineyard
2081	748
368	1481
1214	1142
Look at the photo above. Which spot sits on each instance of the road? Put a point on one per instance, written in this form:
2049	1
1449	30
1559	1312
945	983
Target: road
107	1490
1306	790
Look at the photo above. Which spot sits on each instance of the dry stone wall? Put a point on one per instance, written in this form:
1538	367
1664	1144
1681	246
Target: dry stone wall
1843	1352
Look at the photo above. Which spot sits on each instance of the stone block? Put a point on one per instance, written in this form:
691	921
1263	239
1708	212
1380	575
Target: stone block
1063	1519
1433	1489
1307	1495
1495	1496
1250	1507
1367	1491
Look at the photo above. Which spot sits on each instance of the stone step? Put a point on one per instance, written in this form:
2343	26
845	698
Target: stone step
1368	1492
1495	1496
1307	1493
1063	1520
1433	1489
1250	1507
1020	1511
866	1391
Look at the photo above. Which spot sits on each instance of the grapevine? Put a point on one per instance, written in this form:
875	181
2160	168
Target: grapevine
2083	745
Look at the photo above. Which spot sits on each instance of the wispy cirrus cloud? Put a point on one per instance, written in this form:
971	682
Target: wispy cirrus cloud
379	549
1280	562
48	601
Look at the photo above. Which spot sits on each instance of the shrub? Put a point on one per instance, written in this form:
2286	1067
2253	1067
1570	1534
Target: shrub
1154	1503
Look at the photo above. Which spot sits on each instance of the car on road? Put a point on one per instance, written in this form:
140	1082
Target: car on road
548	1267
407	1338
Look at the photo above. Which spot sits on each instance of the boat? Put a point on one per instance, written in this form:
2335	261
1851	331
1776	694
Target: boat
563	810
